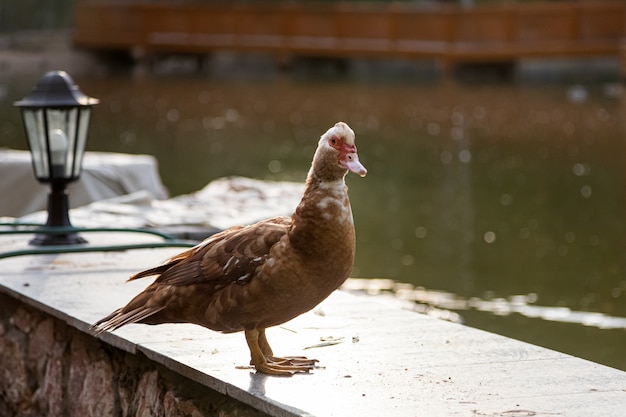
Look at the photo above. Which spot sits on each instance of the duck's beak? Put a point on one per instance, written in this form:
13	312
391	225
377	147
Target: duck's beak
351	161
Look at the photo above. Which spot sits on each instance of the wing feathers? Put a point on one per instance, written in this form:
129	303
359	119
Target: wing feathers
119	318
182	273
229	257
152	271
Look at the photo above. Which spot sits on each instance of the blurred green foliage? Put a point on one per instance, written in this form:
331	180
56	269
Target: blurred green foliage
27	15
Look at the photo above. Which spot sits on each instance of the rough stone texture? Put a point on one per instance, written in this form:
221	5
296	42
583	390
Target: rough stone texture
49	368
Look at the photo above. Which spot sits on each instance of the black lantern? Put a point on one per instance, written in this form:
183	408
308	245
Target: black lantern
56	120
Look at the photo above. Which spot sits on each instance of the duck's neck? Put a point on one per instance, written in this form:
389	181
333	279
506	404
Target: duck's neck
323	219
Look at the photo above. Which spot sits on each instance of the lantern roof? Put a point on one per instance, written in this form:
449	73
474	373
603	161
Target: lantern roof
56	89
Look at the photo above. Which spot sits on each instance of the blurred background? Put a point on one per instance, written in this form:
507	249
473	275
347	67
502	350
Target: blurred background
496	187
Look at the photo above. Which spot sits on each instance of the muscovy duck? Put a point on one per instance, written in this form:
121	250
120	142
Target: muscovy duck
249	278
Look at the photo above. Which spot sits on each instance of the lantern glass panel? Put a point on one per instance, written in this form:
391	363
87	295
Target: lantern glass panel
34	123
62	141
81	138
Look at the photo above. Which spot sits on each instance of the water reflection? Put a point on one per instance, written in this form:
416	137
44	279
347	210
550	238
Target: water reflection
473	190
440	303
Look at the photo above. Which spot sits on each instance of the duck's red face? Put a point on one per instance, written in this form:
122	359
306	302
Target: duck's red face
348	156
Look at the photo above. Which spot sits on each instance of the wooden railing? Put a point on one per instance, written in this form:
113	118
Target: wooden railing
446	33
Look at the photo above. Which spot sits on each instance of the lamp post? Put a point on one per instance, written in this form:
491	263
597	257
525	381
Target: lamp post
56	121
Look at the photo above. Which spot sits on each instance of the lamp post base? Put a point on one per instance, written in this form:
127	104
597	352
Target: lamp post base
42	239
58	218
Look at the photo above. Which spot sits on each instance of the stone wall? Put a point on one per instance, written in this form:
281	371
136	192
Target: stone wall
48	368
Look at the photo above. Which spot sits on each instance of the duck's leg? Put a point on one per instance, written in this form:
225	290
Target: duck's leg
264	360
289	360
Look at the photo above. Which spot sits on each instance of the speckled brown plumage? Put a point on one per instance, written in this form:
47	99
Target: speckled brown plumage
248	278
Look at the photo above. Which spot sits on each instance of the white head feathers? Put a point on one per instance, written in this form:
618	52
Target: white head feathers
341	130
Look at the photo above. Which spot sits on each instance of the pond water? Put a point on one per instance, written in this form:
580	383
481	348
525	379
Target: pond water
500	205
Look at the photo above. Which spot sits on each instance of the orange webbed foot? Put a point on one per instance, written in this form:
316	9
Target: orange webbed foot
285	366
264	360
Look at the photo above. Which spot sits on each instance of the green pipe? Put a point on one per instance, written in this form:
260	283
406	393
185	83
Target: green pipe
170	241
38	250
62	230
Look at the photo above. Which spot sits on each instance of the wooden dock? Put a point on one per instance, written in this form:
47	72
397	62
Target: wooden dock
448	34
376	358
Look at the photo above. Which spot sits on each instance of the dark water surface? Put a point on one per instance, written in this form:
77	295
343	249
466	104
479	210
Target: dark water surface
502	203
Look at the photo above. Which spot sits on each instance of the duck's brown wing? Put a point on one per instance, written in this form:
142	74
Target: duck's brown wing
226	258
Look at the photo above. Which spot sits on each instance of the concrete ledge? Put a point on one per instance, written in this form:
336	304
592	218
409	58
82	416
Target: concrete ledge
376	358
52	369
